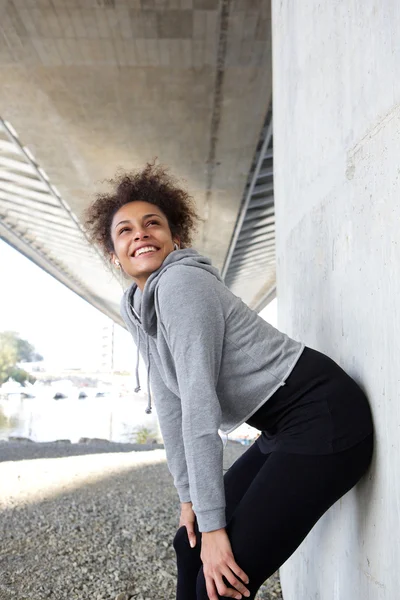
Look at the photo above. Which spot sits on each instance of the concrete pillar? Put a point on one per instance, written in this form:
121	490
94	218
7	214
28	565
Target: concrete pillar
336	68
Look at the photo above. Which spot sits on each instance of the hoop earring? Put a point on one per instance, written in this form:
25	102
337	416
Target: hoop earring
176	247
117	264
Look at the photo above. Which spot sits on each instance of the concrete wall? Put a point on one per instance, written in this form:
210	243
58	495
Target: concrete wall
337	182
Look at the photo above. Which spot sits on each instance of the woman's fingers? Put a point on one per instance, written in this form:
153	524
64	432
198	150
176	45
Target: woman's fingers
191	534
187	519
216	583
237	583
237	574
211	589
212	586
224	590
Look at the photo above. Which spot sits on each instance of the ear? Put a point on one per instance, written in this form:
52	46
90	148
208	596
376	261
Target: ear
114	259
176	240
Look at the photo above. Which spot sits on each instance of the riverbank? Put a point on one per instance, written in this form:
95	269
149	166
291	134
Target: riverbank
93	525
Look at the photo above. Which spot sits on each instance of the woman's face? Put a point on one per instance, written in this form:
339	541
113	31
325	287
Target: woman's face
142	239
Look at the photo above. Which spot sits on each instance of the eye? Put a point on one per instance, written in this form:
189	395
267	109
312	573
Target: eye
152	223
122	230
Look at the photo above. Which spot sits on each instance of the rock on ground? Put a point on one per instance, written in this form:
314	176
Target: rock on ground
92	526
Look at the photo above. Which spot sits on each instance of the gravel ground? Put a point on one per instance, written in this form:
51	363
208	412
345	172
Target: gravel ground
90	522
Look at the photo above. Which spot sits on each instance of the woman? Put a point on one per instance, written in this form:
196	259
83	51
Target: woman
213	364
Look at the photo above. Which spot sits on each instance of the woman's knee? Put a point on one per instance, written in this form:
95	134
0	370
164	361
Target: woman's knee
181	541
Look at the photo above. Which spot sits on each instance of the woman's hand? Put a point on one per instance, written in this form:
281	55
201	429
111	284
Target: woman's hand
218	561
187	519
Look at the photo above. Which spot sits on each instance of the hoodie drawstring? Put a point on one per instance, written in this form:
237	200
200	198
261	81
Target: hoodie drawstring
148	409
137	388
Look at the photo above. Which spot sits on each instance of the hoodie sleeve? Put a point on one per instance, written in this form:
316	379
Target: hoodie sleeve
194	326
169	412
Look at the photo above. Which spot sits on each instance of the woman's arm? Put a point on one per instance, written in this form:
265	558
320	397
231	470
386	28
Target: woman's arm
169	413
170	418
194	324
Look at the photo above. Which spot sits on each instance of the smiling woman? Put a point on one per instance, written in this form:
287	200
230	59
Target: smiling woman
142	239
215	364
160	197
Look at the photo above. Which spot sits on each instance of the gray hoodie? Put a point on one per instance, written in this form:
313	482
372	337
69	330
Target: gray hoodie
212	362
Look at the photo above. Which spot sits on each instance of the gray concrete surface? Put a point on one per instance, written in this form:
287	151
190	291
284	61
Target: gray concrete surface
93	86
337	181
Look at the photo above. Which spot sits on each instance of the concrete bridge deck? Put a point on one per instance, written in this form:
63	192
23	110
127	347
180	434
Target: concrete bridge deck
92	86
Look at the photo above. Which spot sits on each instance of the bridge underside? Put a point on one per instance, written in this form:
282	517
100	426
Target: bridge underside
90	87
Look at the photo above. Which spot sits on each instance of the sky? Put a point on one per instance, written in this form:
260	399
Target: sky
63	327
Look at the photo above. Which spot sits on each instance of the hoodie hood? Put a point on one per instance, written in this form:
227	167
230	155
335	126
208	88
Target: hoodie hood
138	308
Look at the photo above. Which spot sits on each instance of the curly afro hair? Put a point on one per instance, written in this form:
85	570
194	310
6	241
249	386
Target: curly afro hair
152	184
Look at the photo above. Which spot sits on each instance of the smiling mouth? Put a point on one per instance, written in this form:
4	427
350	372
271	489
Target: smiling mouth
145	251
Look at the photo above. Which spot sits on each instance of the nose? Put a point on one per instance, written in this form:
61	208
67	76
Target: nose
141	234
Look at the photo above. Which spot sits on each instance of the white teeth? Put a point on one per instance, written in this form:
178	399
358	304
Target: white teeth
145	249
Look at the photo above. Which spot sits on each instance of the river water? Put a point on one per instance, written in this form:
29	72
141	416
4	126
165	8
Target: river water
44	419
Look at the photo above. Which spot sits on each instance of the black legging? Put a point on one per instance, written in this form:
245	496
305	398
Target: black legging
272	502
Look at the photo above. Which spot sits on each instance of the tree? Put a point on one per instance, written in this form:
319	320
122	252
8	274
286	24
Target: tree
13	350
24	350
8	359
